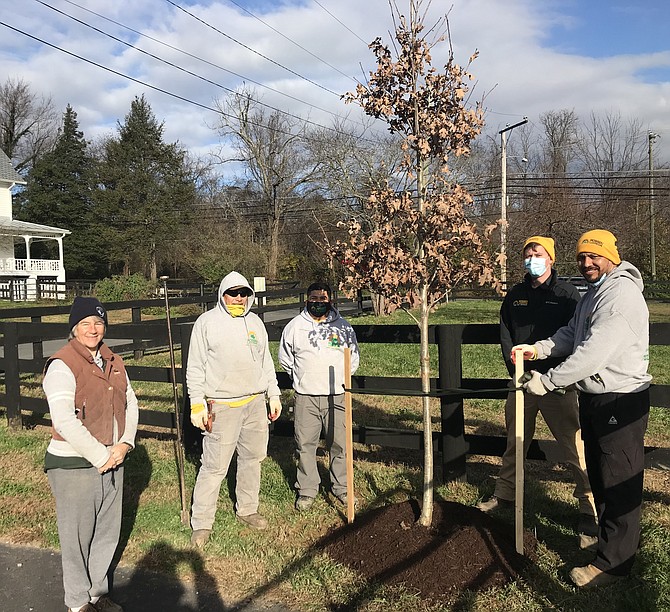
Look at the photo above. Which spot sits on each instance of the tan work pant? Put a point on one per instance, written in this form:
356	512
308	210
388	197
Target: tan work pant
561	414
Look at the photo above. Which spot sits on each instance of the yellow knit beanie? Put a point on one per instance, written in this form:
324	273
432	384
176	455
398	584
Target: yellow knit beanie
600	242
543	241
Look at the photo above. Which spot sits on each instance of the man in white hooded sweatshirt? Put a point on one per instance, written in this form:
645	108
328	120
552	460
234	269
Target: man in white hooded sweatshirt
312	352
230	368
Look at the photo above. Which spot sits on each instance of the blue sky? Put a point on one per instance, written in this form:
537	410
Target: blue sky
535	56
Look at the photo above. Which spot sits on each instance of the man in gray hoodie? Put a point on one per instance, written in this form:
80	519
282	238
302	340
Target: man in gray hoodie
312	352
230	371
607	341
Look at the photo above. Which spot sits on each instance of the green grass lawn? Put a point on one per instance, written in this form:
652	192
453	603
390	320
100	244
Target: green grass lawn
282	562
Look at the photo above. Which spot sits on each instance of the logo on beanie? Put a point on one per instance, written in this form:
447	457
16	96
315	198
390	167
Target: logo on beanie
592	241
101	311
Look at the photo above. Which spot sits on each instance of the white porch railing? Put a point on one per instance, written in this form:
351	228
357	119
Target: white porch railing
11	264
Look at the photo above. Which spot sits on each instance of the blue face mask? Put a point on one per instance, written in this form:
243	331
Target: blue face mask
535	266
599	281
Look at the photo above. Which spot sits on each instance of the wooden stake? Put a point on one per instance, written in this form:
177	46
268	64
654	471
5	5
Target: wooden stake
519	456
349	447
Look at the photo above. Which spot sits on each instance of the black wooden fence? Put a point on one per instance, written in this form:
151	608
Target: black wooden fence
449	386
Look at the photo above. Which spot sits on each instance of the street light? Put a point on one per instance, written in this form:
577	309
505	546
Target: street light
503	201
652	240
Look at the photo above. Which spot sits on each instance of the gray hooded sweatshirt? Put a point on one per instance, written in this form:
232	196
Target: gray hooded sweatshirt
312	352
607	339
229	358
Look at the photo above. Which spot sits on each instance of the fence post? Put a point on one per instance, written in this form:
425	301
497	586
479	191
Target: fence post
192	435
450	376
10	342
138	351
38	347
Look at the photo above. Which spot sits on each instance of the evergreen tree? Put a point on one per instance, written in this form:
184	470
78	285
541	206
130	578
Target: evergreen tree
146	193
58	193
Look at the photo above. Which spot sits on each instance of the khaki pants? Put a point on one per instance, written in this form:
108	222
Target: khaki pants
561	414
243	429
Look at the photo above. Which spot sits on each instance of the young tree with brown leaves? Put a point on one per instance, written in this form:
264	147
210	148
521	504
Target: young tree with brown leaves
420	243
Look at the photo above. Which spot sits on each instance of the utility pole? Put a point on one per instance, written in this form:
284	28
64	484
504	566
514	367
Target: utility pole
652	212
503	201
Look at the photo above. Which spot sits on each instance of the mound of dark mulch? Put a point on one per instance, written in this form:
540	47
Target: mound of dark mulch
464	549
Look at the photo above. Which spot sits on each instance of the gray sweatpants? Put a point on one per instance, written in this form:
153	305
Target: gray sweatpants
314	413
243	429
88	509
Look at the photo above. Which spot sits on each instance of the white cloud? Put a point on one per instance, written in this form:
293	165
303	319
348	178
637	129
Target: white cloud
522	74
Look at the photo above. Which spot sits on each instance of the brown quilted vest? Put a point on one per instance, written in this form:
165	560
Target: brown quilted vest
100	396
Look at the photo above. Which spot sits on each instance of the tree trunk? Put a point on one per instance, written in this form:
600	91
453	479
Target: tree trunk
426	517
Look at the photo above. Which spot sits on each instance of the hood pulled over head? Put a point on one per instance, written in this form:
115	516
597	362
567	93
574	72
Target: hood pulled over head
235	279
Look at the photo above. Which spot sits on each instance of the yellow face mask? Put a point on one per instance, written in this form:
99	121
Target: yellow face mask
236	310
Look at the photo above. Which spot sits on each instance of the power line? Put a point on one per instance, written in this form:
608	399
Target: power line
200	59
265	57
173	65
161	90
344	25
293	42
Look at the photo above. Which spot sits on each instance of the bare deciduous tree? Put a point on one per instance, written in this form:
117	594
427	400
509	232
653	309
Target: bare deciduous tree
28	123
270	146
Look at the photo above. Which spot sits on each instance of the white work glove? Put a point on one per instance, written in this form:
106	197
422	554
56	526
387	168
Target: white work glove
532	383
199	415
529	352
275	408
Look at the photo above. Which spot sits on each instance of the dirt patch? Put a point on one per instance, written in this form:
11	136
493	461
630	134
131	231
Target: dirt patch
464	549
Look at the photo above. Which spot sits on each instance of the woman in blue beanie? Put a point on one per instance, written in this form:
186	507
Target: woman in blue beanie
94	416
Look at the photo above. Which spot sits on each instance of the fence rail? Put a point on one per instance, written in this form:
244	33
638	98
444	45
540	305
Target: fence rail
449	386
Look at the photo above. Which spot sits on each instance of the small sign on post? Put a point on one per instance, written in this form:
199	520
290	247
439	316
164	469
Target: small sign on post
519	456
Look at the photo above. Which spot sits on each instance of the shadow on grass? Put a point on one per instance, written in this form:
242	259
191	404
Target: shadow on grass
165	589
136	477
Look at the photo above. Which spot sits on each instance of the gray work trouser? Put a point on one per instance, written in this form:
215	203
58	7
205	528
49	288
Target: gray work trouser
243	429
314	413
88	509
561	414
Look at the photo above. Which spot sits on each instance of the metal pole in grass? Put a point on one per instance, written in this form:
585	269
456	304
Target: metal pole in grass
349	446
179	450
519	456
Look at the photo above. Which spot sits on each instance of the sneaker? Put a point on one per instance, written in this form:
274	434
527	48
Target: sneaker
255	521
199	537
342	498
89	607
494	503
303	503
106	604
591	576
588	525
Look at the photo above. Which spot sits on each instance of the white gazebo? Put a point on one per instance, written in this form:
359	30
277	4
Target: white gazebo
21	278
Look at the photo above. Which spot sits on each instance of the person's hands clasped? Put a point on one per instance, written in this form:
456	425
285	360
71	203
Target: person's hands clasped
275	408
529	352
117	455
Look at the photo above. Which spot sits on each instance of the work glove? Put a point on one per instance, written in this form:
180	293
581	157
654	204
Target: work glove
532	383
275	408
199	415
529	352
